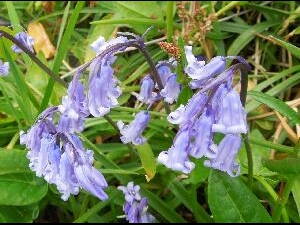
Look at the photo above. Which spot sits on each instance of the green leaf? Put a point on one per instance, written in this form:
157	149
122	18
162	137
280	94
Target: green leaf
185	94
276	104
162	207
231	201
18	214
292	48
296	193
18	184
284	166
248	35
147	159
148	9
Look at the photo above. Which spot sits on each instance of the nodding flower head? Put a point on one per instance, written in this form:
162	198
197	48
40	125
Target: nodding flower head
225	154
147	95
133	131
171	89
26	40
4	69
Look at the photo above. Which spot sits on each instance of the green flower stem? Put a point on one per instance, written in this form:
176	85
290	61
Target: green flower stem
243	95
282	200
271	145
169	12
33	57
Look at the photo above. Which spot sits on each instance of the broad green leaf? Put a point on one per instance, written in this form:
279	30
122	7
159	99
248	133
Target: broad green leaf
248	35
147	159
231	201
284	166
18	184
277	105
18	214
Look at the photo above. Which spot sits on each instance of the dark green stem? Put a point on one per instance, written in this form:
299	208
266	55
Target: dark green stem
154	73
33	57
243	95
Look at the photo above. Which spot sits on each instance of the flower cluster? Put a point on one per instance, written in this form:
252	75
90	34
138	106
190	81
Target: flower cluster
135	206
61	159
214	108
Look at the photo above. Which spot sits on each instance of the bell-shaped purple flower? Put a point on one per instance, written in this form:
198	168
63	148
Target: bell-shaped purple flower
147	95
214	67
189	112
171	89
193	64
164	72
4	69
225	155
231	116
103	90
201	135
100	44
91	180
133	131
26	40
73	108
176	158
67	182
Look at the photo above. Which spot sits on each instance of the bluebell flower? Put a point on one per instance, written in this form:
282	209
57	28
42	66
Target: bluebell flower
171	89
102	90
147	95
135	207
231	116
193	65
225	154
133	131
164	72
4	69
100	44
189	112
26	40
176	158
73	108
201	135
61	159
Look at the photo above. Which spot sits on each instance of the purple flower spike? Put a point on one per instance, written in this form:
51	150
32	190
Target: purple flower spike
225	155
133	131
171	90
176	158
189	112
231	116
135	207
103	90
146	94
4	69
26	40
